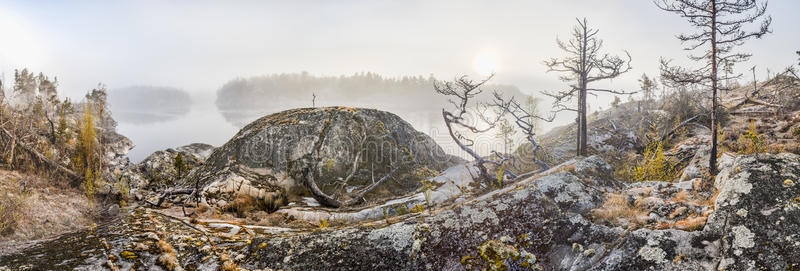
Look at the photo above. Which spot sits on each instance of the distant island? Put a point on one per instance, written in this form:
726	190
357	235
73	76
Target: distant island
242	100
147	104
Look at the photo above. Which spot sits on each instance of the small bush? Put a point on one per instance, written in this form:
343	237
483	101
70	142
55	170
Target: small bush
752	142
653	166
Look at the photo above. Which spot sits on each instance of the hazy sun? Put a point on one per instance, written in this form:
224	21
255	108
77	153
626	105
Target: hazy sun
486	62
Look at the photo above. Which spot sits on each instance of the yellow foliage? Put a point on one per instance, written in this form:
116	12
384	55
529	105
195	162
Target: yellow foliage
323	223
418	208
427	188
655	166
88	159
752	142
128	255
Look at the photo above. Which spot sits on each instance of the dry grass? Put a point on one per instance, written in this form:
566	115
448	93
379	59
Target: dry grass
167	259
228	264
244	204
617	210
682	196
49	209
692	223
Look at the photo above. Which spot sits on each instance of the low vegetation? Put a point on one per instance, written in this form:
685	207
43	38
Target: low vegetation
56	147
12	204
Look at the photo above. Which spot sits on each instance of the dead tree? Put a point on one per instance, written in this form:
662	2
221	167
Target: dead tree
358	196
719	25
461	91
525	122
584	64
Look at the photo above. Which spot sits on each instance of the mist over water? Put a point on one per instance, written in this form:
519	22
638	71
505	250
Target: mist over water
202	123
160	126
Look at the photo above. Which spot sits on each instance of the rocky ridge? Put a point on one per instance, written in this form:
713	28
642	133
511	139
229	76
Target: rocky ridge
543	222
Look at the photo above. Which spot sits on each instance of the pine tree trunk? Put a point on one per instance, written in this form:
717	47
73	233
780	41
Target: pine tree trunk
712	163
582	96
585	122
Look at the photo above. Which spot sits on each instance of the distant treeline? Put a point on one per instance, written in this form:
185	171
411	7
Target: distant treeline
242	99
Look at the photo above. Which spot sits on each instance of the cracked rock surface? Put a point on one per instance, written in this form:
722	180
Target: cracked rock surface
523	226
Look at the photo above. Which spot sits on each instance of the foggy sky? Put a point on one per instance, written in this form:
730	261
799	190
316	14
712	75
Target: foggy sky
198	46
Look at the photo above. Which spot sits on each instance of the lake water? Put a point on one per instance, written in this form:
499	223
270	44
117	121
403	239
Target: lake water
203	124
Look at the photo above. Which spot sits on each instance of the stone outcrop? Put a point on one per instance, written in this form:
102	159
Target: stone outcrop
346	149
159	167
541	223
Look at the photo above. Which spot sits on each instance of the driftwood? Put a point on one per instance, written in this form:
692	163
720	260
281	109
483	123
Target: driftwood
169	193
39	157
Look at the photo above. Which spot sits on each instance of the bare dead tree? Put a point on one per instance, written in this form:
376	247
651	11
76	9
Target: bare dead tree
461	91
584	64
525	122
719	25
358	196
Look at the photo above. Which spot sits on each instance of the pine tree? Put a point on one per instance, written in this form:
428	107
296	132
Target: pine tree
719	28
180	165
88	160
648	87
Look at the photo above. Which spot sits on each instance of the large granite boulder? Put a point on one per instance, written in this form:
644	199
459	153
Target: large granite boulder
268	159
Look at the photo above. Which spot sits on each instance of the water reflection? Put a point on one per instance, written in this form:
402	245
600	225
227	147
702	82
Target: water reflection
148	104
201	124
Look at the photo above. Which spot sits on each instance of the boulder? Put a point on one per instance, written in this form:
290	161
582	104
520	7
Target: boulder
269	158
159	167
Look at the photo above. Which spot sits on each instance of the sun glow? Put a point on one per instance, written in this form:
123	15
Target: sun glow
486	62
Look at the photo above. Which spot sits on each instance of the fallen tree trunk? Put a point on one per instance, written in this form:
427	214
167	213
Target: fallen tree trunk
169	193
671	132
43	159
328	201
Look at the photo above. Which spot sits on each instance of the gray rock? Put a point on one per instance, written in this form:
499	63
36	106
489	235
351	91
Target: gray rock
159	167
754	226
268	158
